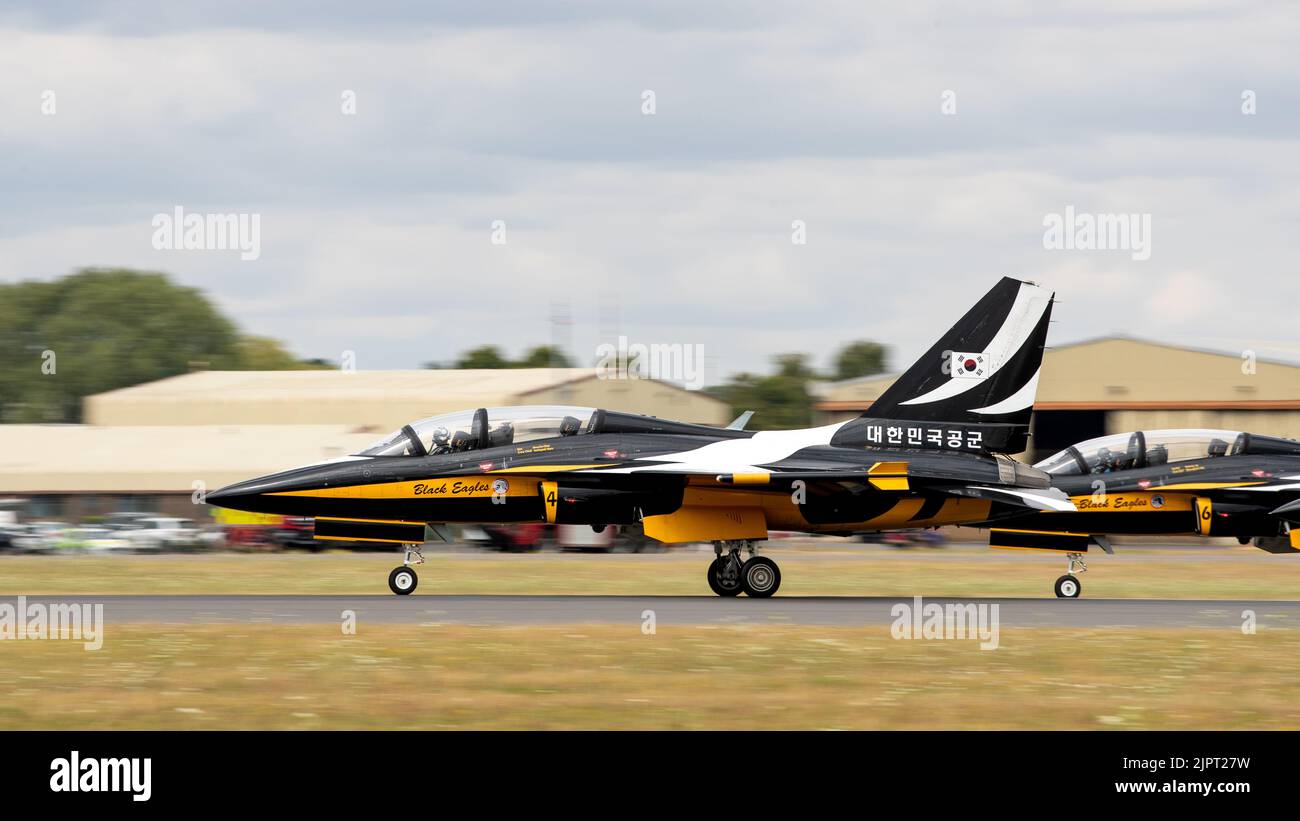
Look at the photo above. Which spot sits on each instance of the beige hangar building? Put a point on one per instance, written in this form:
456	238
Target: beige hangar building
150	447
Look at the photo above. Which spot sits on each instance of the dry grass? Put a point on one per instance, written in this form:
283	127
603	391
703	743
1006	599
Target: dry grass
261	676
872	571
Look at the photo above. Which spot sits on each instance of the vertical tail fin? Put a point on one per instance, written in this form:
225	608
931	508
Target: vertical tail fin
982	375
985	369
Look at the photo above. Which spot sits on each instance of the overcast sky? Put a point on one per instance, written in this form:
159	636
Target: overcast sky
676	226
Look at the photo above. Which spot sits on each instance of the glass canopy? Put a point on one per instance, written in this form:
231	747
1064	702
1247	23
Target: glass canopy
482	428
1124	451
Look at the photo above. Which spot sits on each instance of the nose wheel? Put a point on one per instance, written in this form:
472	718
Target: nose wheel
1069	586
402	580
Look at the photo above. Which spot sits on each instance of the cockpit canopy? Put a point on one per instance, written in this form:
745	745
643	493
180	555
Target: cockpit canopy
482	428
1138	449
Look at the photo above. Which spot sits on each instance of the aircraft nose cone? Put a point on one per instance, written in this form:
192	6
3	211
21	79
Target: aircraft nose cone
218	496
235	497
275	492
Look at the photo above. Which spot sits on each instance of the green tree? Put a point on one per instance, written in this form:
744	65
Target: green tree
861	358
101	329
490	356
262	353
794	366
544	356
780	401
484	356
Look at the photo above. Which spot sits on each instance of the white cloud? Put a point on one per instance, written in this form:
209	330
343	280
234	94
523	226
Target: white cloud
375	228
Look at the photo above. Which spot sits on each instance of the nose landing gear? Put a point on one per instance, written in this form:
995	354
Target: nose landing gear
1068	586
403	580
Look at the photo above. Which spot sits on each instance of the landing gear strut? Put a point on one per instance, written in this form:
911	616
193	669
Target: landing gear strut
729	575
1068	586
403	580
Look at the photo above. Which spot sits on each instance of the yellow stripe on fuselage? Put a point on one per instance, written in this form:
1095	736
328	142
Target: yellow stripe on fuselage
1141	502
458	487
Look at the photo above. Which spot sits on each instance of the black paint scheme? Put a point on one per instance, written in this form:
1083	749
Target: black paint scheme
836	476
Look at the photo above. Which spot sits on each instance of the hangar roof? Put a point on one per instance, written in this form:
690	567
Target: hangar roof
382	400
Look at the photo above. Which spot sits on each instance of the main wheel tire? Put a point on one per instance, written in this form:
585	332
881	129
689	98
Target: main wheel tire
716	582
1068	587
760	577
402	581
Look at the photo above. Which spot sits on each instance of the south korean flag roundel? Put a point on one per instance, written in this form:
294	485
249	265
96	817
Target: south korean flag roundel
968	365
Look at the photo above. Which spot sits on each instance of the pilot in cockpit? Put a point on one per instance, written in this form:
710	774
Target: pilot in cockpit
441	441
1105	461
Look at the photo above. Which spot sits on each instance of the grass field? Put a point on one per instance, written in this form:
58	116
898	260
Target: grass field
682	677
1234	573
609	676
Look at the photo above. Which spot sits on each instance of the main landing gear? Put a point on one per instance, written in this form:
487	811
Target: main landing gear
403	580
1068	586
729	575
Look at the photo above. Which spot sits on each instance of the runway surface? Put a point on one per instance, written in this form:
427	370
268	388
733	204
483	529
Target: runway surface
697	610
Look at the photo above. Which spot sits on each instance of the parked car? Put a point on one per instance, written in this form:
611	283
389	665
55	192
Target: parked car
94	539
125	521
40	537
155	534
212	537
9	534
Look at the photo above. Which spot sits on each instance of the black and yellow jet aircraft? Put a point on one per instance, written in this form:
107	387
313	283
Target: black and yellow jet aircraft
1202	482
930	451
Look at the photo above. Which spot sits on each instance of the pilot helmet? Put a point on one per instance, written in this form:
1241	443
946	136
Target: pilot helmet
440	435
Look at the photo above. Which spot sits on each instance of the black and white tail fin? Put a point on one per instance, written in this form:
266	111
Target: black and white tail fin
980	378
